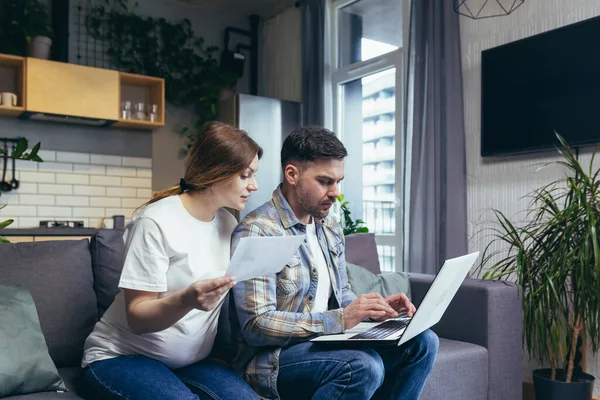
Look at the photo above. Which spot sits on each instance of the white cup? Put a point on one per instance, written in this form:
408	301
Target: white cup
8	99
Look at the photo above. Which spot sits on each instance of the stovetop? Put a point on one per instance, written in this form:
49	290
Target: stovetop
61	224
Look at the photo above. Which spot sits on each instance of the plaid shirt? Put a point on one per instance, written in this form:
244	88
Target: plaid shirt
274	311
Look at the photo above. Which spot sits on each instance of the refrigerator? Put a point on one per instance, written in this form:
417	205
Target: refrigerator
268	121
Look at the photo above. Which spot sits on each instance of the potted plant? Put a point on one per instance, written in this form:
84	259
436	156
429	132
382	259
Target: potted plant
25	28
38	30
349	226
555	257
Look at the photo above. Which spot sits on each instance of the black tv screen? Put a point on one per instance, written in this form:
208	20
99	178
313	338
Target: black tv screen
536	86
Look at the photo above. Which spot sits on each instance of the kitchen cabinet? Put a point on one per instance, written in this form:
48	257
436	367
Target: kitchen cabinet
50	90
69	89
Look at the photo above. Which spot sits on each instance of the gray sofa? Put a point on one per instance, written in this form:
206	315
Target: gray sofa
73	282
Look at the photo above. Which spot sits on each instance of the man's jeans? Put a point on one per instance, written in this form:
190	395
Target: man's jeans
139	377
313	371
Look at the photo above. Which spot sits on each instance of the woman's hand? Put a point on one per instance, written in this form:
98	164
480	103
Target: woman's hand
147	313
204	295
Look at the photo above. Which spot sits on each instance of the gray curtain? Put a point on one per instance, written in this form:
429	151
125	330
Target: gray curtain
313	62
435	152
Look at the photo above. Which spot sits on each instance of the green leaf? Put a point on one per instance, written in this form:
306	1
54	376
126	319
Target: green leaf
34	151
6	223
20	148
4	240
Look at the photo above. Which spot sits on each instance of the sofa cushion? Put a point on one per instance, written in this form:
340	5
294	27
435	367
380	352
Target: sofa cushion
71	376
460	372
46	396
361	249
59	276
25	365
108	255
362	281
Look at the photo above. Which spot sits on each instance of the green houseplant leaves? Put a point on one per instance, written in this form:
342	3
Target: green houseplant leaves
555	257
19	154
349	225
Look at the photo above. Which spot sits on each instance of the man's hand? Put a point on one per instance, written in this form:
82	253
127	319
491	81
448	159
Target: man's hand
370	305
400	303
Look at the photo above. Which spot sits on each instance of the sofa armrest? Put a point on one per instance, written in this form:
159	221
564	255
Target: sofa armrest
489	314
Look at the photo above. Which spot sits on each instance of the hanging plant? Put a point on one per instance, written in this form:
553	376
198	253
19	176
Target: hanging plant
169	50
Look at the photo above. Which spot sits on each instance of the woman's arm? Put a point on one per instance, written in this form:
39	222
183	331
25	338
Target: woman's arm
147	313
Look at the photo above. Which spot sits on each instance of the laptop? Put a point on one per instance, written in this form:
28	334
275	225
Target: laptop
399	330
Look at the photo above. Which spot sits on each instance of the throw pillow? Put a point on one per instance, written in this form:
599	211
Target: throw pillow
388	283
108	255
58	275
25	365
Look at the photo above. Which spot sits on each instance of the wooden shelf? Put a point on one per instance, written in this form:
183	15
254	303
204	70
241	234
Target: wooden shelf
11	61
137	124
44	86
13	80
141	89
6	111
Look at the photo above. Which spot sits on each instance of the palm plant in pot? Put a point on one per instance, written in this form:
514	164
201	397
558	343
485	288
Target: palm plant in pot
555	257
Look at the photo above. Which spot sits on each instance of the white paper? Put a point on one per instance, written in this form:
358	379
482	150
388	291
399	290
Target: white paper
257	256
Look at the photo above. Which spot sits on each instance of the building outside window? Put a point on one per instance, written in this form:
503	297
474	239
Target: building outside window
368	54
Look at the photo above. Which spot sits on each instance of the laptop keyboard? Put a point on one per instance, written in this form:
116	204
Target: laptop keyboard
383	330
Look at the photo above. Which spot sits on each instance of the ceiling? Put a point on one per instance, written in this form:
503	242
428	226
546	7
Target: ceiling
263	8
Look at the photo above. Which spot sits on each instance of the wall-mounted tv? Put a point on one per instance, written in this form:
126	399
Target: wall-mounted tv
544	83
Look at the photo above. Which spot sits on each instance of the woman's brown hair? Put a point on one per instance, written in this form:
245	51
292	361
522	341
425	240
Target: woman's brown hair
220	152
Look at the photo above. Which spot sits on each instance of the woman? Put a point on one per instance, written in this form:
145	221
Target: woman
154	340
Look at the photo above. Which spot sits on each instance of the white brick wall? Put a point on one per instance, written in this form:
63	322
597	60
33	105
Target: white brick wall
77	186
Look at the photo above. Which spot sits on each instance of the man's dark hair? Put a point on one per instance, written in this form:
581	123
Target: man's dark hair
311	143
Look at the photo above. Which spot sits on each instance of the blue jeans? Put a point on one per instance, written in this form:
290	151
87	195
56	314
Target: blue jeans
139	377
308	370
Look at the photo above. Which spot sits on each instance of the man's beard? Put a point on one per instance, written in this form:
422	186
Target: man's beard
311	207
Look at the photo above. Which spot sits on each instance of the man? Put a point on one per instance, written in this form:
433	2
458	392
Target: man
278	314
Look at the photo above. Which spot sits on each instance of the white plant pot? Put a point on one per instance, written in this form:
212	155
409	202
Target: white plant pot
40	47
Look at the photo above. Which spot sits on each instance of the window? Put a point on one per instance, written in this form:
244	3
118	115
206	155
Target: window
368	50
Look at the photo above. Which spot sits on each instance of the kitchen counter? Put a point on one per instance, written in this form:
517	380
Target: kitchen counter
48	231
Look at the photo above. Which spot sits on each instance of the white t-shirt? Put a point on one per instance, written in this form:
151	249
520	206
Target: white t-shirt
324	281
166	249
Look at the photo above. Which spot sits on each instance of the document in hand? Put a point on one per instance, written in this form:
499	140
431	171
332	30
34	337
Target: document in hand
257	256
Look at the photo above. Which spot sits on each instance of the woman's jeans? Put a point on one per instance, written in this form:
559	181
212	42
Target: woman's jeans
138	377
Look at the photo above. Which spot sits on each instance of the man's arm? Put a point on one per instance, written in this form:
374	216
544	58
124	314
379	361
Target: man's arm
262	324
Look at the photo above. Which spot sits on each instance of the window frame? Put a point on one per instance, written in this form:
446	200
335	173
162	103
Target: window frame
338	76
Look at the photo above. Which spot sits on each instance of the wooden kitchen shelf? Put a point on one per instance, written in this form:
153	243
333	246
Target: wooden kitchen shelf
11	111
12	79
137	124
71	92
141	89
